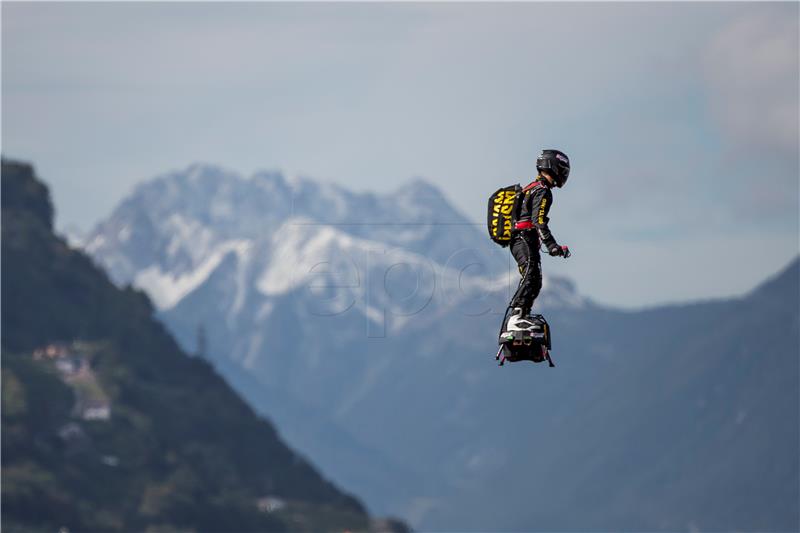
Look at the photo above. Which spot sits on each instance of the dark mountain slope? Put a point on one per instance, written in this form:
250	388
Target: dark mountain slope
667	419
180	448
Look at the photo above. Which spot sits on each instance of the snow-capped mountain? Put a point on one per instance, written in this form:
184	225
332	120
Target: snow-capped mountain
302	288
172	233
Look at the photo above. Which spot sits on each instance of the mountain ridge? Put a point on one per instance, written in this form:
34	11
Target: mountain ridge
177	226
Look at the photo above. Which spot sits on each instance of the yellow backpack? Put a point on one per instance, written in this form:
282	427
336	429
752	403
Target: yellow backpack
502	214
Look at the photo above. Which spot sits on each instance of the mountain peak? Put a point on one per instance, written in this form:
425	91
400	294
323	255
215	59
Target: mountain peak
22	190
268	176
787	281
420	188
199	171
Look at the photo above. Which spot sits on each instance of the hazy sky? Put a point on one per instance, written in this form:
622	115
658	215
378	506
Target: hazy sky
681	119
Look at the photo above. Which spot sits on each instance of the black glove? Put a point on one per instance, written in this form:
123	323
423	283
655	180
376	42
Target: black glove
562	251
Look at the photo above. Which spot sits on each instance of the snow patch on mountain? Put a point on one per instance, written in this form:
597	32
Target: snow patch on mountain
167	288
301	249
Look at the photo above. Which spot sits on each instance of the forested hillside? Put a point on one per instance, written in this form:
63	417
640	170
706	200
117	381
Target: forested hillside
108	426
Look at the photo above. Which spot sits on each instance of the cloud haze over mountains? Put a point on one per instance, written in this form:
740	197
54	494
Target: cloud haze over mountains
675	115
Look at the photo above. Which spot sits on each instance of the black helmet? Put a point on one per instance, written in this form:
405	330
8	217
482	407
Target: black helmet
556	163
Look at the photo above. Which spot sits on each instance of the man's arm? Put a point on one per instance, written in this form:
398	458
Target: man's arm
540	206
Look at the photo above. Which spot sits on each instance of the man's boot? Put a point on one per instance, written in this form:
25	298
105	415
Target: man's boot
518	322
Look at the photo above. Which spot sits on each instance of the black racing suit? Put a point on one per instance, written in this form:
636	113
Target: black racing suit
530	231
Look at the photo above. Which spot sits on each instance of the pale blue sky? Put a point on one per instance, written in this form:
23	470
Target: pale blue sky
681	119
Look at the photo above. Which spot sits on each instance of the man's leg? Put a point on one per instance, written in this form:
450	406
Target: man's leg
535	276
530	270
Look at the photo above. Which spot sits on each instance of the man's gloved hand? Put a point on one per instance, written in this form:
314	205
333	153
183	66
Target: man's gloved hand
562	251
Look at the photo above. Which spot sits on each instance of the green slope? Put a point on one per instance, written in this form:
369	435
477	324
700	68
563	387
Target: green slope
180	450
